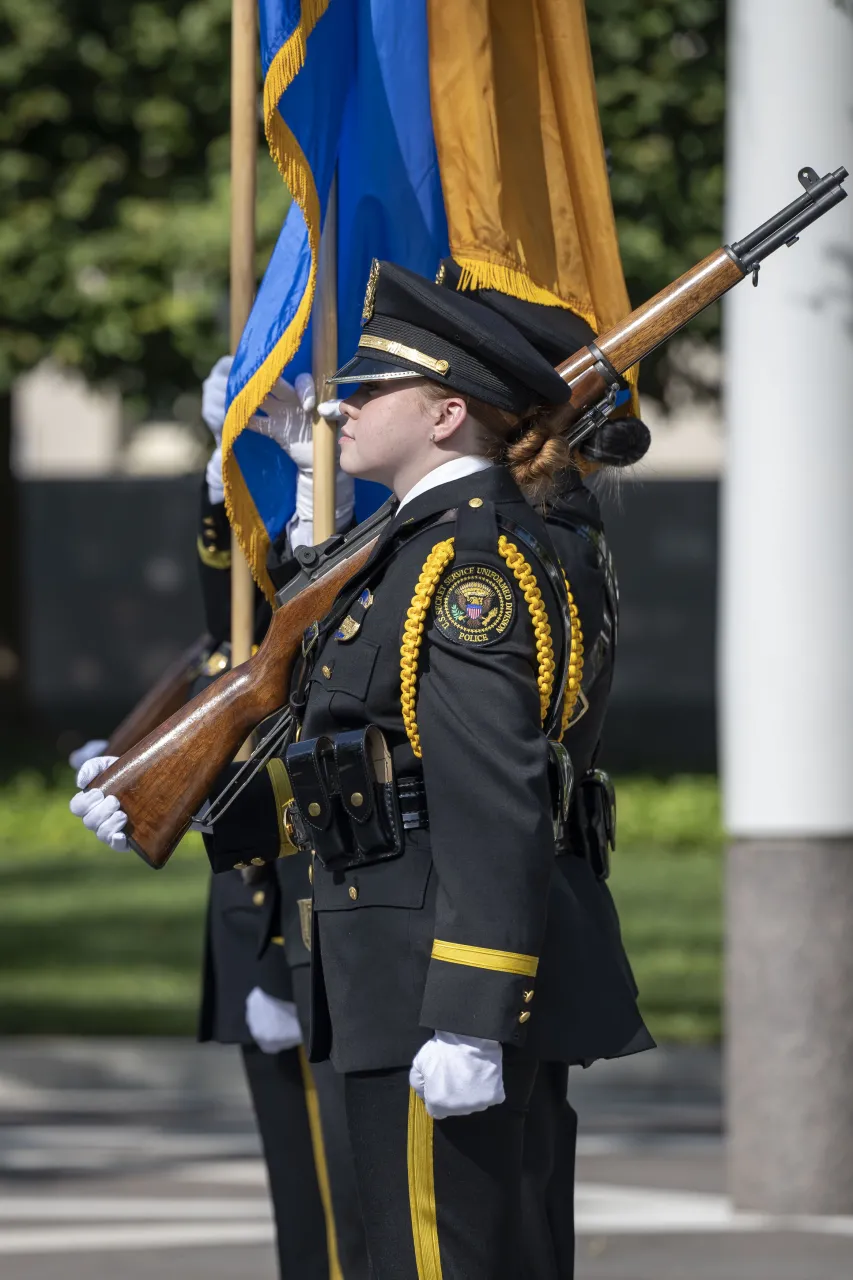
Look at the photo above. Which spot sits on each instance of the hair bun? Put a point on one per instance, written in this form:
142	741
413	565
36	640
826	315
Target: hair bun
619	442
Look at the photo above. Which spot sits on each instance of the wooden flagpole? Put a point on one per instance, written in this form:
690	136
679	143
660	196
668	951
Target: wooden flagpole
324	360
244	152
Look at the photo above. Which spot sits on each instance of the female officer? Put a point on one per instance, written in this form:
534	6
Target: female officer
445	944
575	524
468	934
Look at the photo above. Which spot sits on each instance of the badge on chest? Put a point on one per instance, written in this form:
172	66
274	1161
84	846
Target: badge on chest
351	624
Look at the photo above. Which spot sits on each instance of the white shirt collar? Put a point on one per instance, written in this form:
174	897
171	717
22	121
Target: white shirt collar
453	470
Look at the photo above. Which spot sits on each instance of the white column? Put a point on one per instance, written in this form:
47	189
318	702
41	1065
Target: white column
786	661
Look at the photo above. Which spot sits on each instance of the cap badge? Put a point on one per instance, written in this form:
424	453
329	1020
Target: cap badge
474	604
370	292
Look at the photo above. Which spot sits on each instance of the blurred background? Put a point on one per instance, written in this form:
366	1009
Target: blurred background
113	307
113	288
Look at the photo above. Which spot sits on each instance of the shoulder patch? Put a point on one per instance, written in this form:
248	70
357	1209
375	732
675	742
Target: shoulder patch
474	605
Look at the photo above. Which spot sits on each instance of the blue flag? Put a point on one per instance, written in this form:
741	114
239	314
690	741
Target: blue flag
346	88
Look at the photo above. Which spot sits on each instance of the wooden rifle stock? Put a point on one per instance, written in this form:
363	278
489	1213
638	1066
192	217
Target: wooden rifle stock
168	694
163	780
653	323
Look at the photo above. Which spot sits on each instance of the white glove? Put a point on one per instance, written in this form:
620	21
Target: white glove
213	396
285	416
100	813
457	1075
331	410
273	1023
88	751
213	476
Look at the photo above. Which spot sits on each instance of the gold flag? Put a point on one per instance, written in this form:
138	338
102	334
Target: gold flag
521	154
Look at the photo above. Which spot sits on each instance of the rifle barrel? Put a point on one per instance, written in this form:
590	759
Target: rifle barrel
819	196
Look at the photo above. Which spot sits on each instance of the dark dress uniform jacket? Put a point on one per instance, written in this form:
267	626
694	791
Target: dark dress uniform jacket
602	998
477	928
241	917
472	930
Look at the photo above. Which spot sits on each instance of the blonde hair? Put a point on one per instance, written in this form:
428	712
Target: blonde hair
533	446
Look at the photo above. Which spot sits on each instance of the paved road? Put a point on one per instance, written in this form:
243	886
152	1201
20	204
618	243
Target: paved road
655	1213
139	1161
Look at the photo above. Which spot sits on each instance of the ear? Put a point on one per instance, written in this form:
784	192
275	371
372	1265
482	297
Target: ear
450	414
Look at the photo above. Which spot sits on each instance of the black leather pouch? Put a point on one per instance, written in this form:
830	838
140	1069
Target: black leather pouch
321	823
346	798
368	792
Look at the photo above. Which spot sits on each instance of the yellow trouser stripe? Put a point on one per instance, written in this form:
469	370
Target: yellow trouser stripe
282	794
320	1166
422	1190
483	958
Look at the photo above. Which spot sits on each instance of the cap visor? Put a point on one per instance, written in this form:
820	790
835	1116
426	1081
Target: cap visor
369	369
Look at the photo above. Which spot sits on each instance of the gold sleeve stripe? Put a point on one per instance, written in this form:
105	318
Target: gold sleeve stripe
483	958
320	1166
419	1153
282	795
575	673
212	558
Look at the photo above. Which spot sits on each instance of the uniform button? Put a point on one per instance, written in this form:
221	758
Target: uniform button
528	996
314	809
353	892
258	898
522	1017
356	799
327	672
240	866
475	502
257	862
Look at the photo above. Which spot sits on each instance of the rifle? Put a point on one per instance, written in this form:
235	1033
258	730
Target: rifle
165	696
162	781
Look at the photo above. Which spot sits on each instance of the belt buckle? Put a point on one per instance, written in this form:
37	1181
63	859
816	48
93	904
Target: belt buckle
294	827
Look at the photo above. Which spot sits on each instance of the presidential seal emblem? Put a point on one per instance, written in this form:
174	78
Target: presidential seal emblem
474	604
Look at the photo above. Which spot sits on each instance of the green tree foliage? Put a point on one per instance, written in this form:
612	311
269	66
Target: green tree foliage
660	71
114	173
114	189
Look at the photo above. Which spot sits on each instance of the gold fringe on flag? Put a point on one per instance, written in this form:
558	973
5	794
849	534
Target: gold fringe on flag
296	172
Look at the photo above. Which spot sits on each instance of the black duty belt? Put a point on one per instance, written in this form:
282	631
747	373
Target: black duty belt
413	805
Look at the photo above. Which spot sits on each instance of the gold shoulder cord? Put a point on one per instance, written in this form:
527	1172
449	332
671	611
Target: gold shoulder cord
575	674
436	562
434	566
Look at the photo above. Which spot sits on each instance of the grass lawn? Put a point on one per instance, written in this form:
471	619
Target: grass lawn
94	942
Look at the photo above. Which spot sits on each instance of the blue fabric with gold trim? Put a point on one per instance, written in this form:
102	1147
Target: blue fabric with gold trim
346	85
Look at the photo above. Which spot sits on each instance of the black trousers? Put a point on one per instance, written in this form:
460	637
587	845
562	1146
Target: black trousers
278	1095
548	1185
302	1124
351	1246
441	1200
